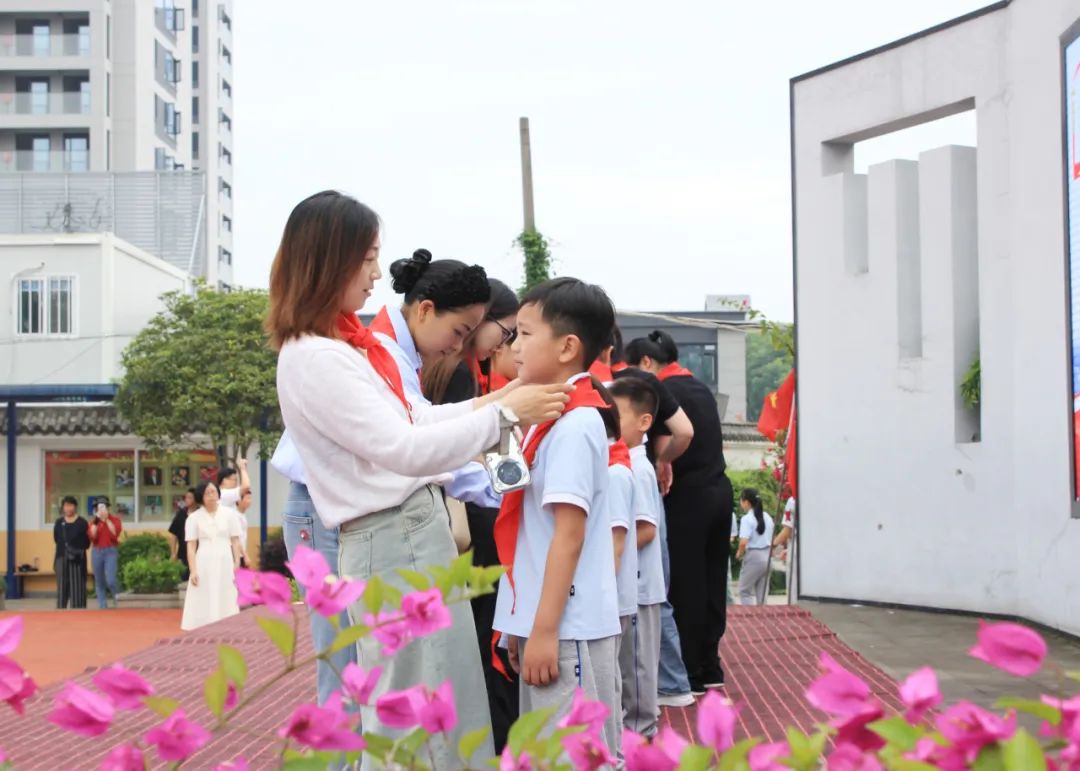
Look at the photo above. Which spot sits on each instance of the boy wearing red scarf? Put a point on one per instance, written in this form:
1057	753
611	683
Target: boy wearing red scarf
558	603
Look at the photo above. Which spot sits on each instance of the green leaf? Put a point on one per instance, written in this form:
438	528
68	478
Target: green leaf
471	742
990	759
528	727
409	746
377	746
215	690
306	763
346	637
494	573
233	665
1023	753
1073	675
903	764
161	705
1042	711
280	633
695	758
898	732
392	596
374	594
417	581
735	758
460	569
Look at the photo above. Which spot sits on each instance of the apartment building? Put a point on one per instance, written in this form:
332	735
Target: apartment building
123	86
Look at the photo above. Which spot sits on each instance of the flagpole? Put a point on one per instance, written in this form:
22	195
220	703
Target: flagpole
791	541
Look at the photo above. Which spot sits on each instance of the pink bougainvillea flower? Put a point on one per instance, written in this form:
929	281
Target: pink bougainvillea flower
716	719
425	612
661	755
323	728
1069	729
16	701
587	752
124	758
766	757
583	711
390	629
15	685
435	710
397	709
847	757
507	761
837	692
308	567
81	711
125	689
237	764
853	728
334	595
11	631
178	738
1010	647
969	728
359	685
920	694
267	588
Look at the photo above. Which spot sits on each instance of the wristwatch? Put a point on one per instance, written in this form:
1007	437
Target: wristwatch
507	418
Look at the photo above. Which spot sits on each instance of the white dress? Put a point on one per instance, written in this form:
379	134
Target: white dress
215	596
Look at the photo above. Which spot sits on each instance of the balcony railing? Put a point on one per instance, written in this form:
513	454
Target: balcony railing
62	103
169	20
44	45
45	160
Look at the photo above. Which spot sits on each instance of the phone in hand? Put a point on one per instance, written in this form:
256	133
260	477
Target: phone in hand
102	511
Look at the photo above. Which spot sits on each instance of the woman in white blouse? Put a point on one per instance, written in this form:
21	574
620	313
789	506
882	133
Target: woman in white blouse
213	534
370	455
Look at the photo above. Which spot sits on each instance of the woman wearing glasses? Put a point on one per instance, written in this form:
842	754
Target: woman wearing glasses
486	365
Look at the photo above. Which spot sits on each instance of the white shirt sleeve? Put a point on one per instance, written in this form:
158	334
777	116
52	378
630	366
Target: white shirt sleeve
340	401
191	527
231	496
620	497
748	526
644	500
571	452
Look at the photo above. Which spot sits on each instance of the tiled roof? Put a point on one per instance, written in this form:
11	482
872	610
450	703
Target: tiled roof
743	433
67	420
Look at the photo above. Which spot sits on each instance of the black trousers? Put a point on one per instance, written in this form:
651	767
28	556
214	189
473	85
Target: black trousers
699	545
71	583
502	693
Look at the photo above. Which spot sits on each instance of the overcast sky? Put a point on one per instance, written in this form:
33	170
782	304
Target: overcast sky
659	131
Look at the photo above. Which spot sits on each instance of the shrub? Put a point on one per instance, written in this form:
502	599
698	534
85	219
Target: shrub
144	575
764	482
149	546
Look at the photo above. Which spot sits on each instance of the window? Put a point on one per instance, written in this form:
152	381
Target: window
223	287
108	94
224	119
166	66
226	87
700	358
172	68
84	97
225	20
32	152
225	187
194	74
195	39
225	54
164	161
38	91
194	9
169	18
224	255
226	223
76	37
194	109
225	153
169	117
45	305
42	38
108	150
108	37
195	145
76	152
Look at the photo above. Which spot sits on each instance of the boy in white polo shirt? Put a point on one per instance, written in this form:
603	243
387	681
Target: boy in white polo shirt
639	657
558	603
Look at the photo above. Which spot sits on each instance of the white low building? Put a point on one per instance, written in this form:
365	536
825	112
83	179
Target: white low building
902	276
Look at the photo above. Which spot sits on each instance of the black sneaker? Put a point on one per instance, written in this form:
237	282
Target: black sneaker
697	688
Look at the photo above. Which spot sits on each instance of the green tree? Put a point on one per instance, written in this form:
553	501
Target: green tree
767	364
201	373
537	259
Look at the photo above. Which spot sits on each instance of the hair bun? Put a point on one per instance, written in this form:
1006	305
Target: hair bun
405	273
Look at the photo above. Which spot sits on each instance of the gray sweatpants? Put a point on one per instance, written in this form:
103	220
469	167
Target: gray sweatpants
587	664
639	662
754	576
415	536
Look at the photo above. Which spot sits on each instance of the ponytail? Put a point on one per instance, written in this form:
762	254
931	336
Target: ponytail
751	496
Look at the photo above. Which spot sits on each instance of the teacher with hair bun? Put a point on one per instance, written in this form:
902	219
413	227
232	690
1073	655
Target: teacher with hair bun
371	456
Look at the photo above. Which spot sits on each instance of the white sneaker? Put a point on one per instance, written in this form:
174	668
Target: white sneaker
675	700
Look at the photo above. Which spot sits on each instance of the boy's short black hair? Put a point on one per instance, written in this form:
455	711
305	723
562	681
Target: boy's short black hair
572	307
640	394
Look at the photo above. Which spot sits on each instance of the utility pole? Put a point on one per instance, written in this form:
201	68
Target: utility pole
526	176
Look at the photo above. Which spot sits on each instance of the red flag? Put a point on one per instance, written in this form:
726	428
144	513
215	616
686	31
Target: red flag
776	409
790	461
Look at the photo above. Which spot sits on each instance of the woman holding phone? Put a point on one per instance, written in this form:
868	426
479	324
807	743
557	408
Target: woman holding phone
370	455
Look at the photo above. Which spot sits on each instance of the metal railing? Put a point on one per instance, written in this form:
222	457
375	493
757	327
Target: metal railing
75	161
56	103
45	45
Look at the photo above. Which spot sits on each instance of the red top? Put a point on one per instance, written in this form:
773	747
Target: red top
103	538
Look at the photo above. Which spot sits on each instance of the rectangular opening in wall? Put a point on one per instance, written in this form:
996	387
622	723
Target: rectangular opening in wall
907	143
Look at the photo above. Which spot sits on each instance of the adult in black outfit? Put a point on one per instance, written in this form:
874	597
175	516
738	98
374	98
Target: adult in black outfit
699	508
482	369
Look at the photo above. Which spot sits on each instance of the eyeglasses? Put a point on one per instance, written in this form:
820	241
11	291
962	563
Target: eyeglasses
508	334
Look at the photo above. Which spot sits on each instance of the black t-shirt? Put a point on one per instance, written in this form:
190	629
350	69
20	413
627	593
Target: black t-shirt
666	406
703	462
75	534
178	528
461	387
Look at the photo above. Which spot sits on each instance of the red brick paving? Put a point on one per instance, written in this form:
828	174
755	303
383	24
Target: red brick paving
770	655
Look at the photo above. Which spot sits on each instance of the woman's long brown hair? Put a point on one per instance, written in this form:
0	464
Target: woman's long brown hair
326	240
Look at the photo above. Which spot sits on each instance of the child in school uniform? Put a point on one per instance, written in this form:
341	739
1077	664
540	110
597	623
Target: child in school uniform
639	658
558	603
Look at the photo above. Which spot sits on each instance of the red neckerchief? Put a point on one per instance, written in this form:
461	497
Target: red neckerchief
497	381
619	366
483	384
601	372
509	520
619	453
674	370
383	325
380	359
